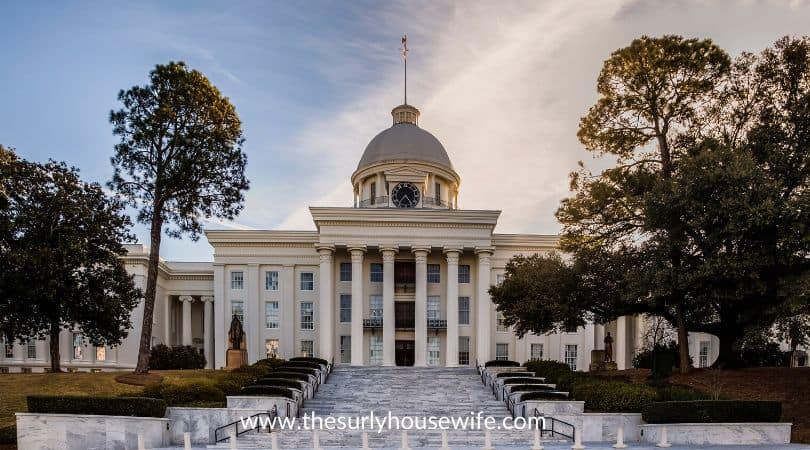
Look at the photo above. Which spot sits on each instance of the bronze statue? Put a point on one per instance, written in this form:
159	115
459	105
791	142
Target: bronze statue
608	348
236	333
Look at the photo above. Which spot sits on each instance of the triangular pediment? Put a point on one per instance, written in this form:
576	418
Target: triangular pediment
406	172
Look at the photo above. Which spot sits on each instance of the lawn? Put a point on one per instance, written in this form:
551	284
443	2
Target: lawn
787	385
15	387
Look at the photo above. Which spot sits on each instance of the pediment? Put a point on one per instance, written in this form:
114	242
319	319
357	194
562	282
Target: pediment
406	172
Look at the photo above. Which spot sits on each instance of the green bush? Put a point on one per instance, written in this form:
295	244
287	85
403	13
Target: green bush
531	388
255	370
231	386
678	393
604	395
501	363
181	394
311	359
712	411
524	380
270	362
550	370
8	435
661	359
269	391
280	382
543	395
103	406
289	375
305	364
163	357
513	374
304	370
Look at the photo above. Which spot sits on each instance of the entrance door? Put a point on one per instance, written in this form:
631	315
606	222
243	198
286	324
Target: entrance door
345	349
404	353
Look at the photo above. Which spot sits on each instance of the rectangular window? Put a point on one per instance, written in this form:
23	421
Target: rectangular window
307	349
238	310
372	188
571	356
8	346
501	352
434	274
464	350
271	318
537	352
464	273
271	348
32	349
464	310
376	272
499	279
500	322
375	306
433	307
438	189
271	281
25	370
703	360
101	353
345	271
3	369
433	350
375	348
78	346
345	349
307	316
345	308
237	280
307	281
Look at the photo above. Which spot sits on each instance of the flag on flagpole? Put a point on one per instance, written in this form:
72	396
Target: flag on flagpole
405	46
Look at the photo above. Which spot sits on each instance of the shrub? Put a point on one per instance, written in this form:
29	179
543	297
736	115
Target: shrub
103	406
661	359
514	375
305	364
523	380
678	393
289	375
543	395
177	394
231	386
712	411
311	359
501	363
531	388
8	435
304	370
280	382
163	357
269	391
605	395
550	370
764	355
270	362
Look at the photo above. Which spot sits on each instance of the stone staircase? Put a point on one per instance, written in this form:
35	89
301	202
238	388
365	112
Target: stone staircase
404	391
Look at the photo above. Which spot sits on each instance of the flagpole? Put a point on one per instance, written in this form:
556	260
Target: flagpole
406	80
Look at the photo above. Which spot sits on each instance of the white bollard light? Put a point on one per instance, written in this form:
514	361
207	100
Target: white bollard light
487	441
141	444
537	445
365	440
620	438
187	440
232	439
664	443
316	440
273	441
444	441
577	440
405	445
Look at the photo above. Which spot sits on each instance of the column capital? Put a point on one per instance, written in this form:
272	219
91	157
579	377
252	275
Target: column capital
357	249
186	298
207	298
325	248
417	249
389	254
390	249
484	250
449	250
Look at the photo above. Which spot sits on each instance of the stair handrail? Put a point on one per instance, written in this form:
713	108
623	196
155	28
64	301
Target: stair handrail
555	423
272	414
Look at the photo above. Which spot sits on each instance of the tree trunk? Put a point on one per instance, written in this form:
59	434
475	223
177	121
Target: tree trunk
56	357
726	356
683	340
149	296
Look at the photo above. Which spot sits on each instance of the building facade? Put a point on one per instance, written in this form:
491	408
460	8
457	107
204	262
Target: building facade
399	278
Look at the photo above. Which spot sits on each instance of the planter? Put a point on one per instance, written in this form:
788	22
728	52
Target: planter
719	433
37	431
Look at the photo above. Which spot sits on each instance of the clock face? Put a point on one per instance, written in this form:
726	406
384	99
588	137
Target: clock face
405	195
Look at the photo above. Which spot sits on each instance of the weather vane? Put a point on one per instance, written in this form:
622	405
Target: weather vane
404	50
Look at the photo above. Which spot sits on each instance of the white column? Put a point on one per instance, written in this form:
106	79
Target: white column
220	335
389	319
327	306
451	356
208	314
484	322
640	329
599	336
620	343
420	314
254	321
357	305
186	300
167	323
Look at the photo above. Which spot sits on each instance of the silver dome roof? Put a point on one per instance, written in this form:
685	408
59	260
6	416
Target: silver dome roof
405	141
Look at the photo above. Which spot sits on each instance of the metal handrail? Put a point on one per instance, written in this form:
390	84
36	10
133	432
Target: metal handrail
273	413
555	424
437	324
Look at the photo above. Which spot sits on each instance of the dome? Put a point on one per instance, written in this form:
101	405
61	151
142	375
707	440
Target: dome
405	141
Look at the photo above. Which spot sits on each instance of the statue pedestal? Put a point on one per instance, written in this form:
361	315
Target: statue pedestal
235	359
598	362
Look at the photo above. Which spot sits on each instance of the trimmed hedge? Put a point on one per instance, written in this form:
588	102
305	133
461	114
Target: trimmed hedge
612	396
712	411
524	380
305	364
552	371
306	370
543	395
679	393
514	375
279	382
103	406
311	359
163	357
531	388
289	375
501	363
181	394
270	362
268	391
8	435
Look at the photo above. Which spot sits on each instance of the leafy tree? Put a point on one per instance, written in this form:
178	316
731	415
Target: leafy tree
179	159
60	248
650	92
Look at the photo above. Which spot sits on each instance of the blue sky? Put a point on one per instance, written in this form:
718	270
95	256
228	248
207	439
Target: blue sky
501	84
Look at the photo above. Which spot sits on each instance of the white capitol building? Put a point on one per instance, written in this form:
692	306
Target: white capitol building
399	278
